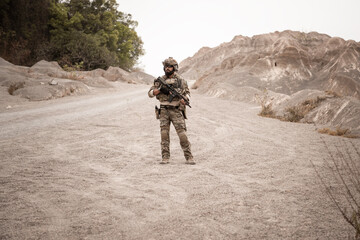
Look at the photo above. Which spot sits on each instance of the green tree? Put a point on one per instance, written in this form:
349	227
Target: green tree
95	33
91	32
23	29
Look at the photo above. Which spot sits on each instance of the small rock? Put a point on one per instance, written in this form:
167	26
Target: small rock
53	82
8	107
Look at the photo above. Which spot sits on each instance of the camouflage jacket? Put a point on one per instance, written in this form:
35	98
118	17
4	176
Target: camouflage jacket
178	83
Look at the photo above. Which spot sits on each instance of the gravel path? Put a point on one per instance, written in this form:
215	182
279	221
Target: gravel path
87	167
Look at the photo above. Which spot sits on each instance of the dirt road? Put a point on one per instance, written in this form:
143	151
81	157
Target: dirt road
87	168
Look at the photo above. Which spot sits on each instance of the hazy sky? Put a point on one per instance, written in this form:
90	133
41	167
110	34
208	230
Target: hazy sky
180	28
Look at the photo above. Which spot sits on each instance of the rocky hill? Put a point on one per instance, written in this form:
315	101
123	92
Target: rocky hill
284	62
47	80
292	67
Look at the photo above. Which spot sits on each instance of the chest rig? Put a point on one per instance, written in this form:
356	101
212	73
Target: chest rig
176	83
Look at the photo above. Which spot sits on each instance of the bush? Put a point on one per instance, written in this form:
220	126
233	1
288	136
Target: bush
81	51
343	132
267	111
296	113
75	67
266	105
337	132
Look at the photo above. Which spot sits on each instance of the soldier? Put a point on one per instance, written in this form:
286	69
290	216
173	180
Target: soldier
172	109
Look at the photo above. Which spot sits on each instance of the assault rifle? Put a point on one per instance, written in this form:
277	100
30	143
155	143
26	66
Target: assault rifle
173	92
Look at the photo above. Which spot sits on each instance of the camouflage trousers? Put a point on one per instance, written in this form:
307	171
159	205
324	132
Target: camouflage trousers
174	116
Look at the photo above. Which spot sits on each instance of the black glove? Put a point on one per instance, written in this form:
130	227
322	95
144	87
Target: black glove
164	90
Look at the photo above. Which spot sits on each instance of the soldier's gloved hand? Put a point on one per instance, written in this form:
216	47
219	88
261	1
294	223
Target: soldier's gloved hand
164	90
156	91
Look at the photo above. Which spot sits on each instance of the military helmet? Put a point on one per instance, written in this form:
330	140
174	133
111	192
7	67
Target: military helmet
170	62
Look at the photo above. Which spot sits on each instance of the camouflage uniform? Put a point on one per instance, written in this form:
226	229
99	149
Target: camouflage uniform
173	112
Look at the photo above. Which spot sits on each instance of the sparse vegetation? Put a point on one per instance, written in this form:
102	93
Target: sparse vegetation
332	93
298	112
266	105
74	67
344	132
293	114
343	187
266	111
337	132
74	76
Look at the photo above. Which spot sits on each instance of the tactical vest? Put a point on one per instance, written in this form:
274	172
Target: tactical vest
176	83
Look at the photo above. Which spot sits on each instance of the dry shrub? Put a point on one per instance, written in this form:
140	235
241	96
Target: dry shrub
70	75
337	132
266	111
15	86
294	114
343	132
69	67
332	93
266	105
342	185
74	76
298	112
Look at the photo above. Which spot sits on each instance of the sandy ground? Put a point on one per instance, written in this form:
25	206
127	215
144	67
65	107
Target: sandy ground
86	167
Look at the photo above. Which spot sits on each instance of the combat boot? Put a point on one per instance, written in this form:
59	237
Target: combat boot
164	161
190	161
